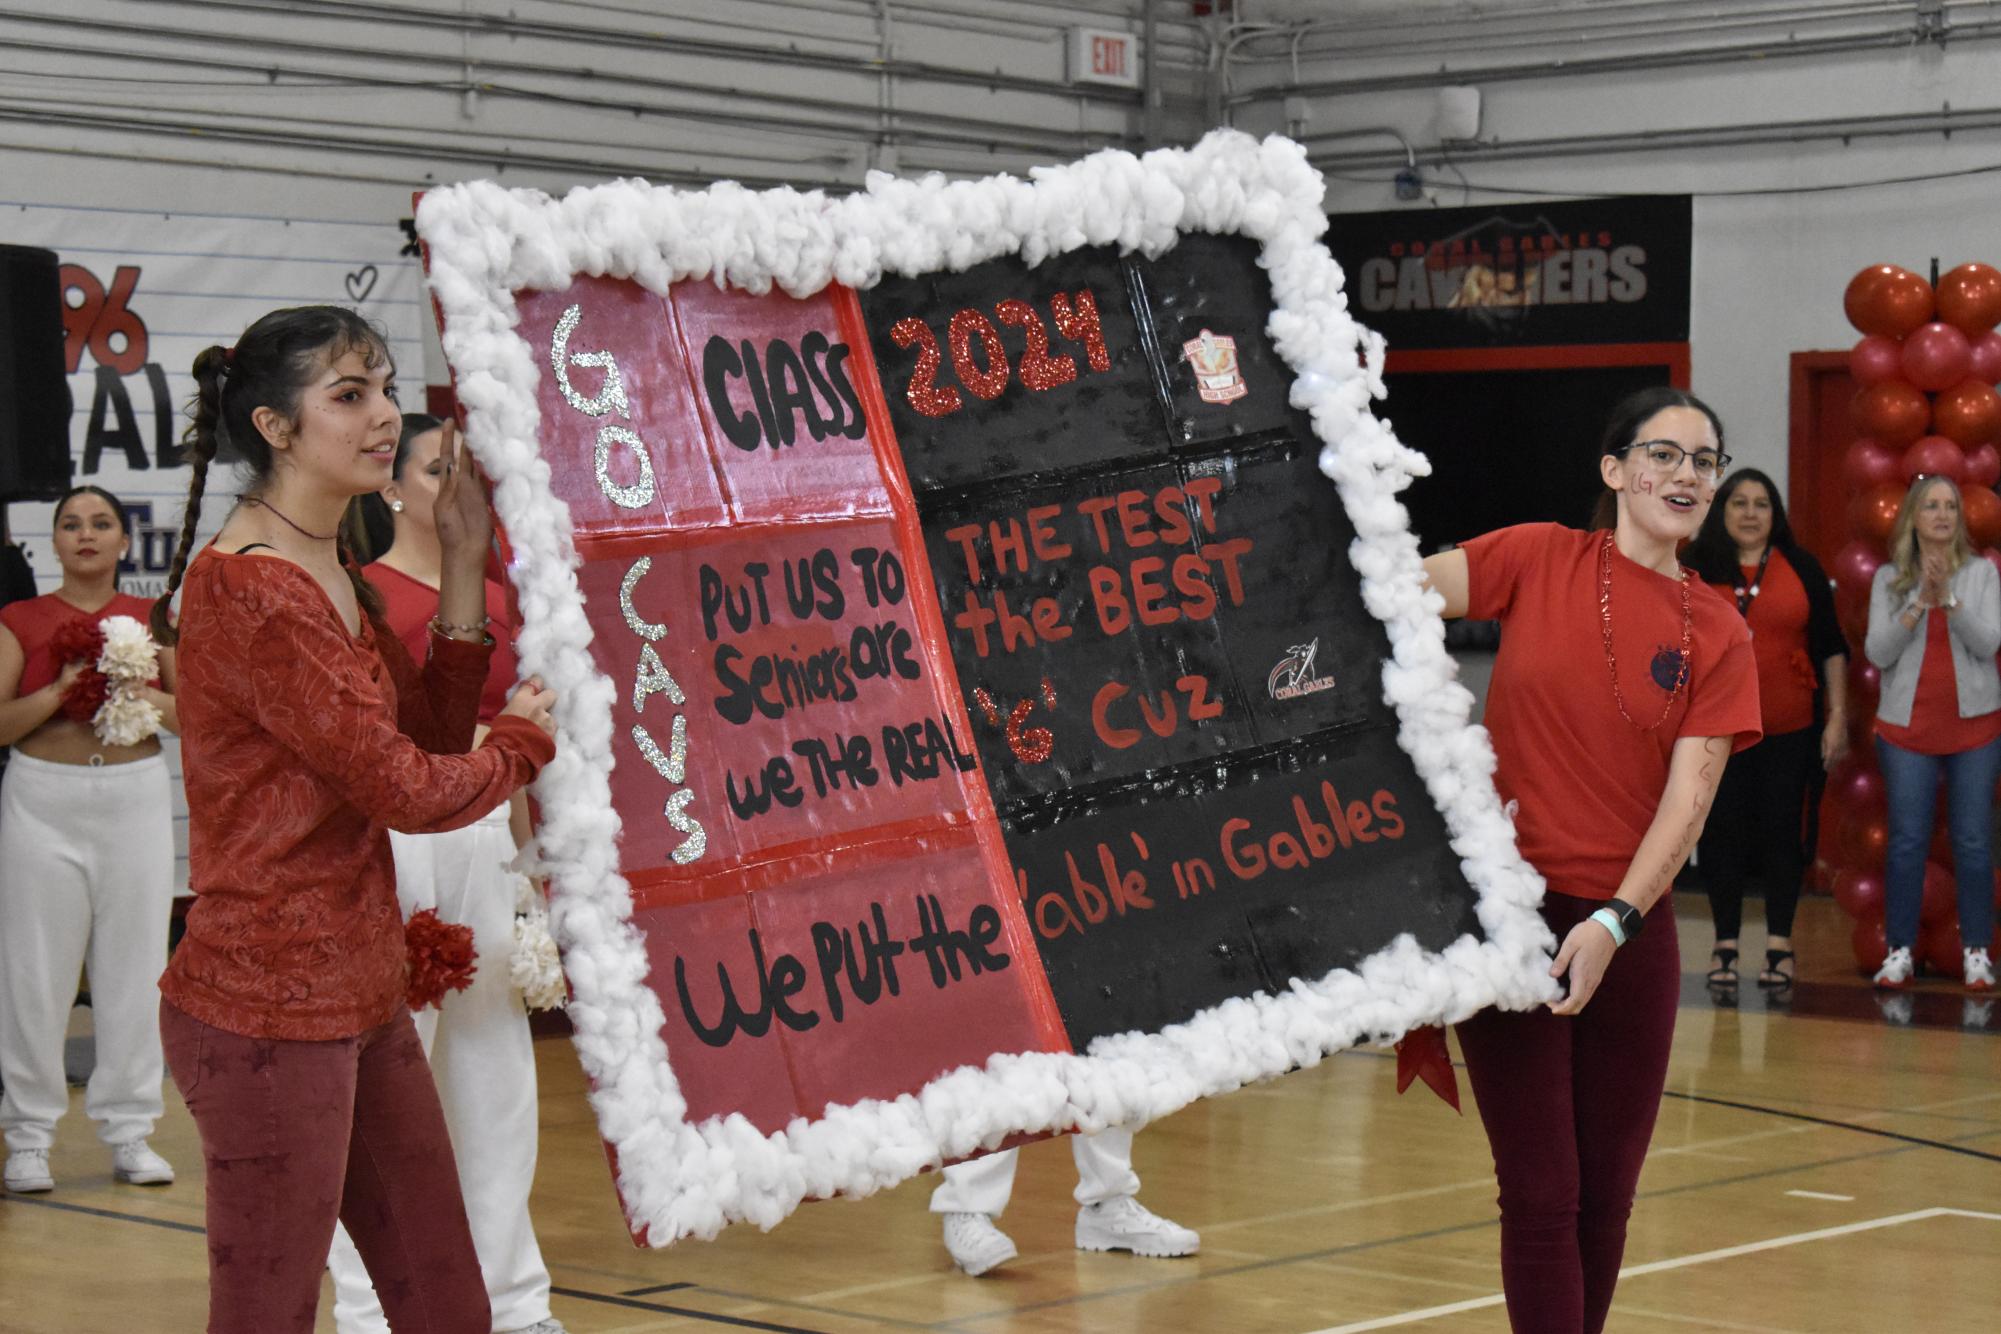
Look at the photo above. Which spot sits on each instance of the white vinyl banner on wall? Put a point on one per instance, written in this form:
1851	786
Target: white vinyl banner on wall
143	292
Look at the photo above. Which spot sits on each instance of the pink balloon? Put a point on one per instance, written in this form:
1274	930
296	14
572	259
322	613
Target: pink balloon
1983	466
1983	362
1869	464
1935	456
1936	356
1875	358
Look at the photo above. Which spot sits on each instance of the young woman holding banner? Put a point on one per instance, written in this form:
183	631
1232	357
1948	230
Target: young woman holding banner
307	734
1612	774
482	1054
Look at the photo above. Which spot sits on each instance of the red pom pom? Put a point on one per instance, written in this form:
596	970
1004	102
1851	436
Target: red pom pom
78	640
441	958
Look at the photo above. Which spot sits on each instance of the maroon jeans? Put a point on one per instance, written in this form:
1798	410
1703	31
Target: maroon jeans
1569	1106
295	1134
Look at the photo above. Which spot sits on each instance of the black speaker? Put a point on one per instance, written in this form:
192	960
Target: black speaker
34	390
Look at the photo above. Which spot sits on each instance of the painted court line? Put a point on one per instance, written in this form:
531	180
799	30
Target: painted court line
1680	1262
1820	1195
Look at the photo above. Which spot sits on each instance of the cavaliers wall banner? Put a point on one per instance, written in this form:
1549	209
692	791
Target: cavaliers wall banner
998	695
1542	274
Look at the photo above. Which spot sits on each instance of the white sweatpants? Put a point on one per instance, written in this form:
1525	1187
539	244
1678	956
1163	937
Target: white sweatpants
86	875
483	1059
983	1185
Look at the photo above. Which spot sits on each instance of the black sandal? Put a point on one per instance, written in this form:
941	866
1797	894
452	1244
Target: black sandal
1772	979
1724	975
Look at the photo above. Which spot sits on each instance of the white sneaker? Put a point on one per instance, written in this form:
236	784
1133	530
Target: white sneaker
28	1171
549	1326
1979	971
1125	1224
137	1165
975	1244
1897	968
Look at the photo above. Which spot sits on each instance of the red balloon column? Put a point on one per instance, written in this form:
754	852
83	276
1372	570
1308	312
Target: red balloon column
1927	365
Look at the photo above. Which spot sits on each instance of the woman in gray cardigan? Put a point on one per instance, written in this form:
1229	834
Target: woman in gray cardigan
1934	628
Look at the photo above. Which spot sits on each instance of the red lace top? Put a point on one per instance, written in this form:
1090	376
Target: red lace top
35	622
407	608
301	745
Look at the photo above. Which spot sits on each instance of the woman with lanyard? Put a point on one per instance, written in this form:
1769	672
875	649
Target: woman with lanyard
1934	627
1746	551
482	1054
69	893
309	733
1611	779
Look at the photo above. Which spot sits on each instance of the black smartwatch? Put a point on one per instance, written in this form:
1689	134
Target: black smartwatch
1625	921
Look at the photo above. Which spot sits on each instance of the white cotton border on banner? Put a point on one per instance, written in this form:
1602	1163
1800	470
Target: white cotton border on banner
680	1179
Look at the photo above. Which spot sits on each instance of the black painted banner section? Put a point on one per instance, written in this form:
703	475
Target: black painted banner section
1175	688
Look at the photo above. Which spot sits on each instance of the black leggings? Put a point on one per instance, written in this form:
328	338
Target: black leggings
1754	831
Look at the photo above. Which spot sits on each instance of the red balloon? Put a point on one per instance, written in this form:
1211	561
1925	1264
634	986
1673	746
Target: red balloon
1983	361
1865	684
1853	568
1935	456
1983	466
1884	299
1868	464
1875	359
1896	412
1941	898
1873	513
1982	509
1969	412
1936	356
1855	789
1969	298
1860	893
1868	942
1820	877
1863	842
1938	946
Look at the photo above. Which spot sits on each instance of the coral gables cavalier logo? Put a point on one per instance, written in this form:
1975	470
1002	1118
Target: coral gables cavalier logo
1293	677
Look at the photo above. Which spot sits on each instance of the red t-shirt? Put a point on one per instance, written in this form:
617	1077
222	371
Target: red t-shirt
301	745
1588	781
1778	617
1936	727
35	621
408	606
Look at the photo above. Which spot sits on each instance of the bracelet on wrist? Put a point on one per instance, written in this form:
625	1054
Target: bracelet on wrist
462	633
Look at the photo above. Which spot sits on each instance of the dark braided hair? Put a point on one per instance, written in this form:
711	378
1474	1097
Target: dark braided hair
270	367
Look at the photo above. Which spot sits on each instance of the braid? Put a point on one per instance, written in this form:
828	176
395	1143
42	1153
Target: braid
202	440
365	593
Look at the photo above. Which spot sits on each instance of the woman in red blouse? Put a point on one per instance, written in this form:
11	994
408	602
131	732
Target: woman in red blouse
67	892
1746	551
1612	771
482	1054
308	733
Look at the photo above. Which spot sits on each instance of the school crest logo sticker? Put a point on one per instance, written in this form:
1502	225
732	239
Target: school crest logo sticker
1215	361
1293	677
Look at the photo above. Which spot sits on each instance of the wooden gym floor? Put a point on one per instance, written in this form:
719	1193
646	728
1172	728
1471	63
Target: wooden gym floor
1829	1166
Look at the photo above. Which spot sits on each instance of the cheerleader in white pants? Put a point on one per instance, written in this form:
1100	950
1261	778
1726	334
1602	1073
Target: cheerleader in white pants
482	1055
86	862
1109	1216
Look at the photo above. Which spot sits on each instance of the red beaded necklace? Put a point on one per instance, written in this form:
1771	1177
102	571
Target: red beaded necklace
1605	623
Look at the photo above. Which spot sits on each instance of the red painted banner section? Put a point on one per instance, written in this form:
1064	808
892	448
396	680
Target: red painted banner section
816	865
624	444
772	378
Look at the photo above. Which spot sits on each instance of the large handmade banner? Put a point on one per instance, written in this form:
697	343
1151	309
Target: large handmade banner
998	696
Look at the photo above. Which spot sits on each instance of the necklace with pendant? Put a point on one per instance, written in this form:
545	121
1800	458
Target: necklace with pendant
1605	623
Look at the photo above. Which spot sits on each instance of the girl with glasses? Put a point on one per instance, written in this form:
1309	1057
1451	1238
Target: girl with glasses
1622	685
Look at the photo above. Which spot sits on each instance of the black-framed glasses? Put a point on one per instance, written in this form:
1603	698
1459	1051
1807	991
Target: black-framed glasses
1665	456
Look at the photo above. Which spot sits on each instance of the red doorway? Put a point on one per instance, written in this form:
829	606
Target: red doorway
1819	433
